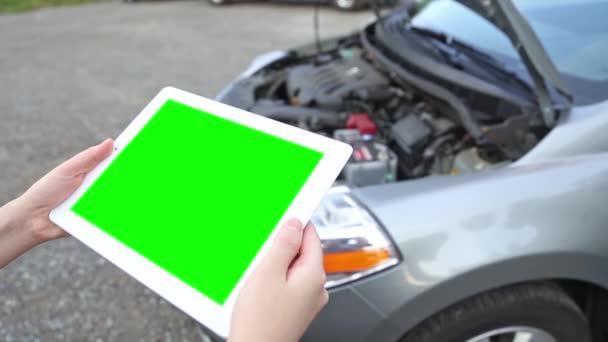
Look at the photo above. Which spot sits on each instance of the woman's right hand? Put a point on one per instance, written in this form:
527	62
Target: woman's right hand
286	290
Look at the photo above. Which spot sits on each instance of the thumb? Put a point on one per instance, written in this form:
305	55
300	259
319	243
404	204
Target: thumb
86	160
58	184
285	247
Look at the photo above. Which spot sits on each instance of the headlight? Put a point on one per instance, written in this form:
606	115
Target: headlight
353	243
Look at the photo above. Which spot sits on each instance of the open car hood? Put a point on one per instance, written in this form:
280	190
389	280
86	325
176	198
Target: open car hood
547	81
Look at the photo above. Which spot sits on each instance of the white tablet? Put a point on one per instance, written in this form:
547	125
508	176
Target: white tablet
189	201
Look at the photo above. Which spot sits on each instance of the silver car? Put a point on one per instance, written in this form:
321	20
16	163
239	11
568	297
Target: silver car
475	206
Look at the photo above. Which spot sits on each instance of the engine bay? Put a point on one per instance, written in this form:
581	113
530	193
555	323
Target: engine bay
396	131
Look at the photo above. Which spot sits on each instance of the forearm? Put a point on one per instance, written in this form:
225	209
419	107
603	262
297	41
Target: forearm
15	236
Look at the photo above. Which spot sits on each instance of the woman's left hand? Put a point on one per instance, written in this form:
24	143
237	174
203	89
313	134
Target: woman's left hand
25	223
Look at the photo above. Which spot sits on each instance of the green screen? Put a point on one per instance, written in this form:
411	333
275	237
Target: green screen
198	195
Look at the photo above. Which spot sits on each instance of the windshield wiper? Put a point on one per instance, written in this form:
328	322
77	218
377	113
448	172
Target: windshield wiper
483	59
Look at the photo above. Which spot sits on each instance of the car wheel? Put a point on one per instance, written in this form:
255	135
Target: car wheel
528	312
348	5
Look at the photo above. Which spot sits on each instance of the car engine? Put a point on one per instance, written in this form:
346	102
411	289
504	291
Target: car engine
396	132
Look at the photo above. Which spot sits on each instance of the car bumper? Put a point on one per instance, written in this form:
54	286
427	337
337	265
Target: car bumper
350	315
347	317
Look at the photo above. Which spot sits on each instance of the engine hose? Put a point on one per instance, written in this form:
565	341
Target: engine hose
464	114
316	118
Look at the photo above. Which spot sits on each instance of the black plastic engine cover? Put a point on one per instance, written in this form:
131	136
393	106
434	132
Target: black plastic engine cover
410	135
328	85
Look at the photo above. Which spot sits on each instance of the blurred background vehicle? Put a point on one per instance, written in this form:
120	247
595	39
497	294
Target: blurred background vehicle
471	209
344	5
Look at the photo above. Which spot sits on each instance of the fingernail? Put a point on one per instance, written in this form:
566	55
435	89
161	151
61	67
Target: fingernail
98	146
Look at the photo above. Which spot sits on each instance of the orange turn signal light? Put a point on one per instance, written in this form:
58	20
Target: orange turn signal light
355	261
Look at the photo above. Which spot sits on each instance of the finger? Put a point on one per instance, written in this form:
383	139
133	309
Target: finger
86	160
310	259
285	247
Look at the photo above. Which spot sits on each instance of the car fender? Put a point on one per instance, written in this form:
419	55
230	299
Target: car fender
463	235
257	64
580	131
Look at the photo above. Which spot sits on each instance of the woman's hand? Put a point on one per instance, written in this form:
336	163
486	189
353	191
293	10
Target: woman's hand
24	222
285	292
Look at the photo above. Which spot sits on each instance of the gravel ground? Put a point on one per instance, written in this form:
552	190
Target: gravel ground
70	77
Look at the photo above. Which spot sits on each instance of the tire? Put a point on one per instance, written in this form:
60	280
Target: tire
348	5
540	309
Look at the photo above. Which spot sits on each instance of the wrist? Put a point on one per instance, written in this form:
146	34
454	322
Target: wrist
10	217
16	235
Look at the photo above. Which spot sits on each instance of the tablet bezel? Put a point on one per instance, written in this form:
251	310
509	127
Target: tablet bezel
216	317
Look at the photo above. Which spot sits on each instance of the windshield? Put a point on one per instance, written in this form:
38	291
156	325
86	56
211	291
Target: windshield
574	33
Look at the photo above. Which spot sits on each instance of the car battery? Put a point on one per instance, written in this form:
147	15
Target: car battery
371	162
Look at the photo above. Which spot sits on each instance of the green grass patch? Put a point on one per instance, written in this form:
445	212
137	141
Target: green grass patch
13	6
